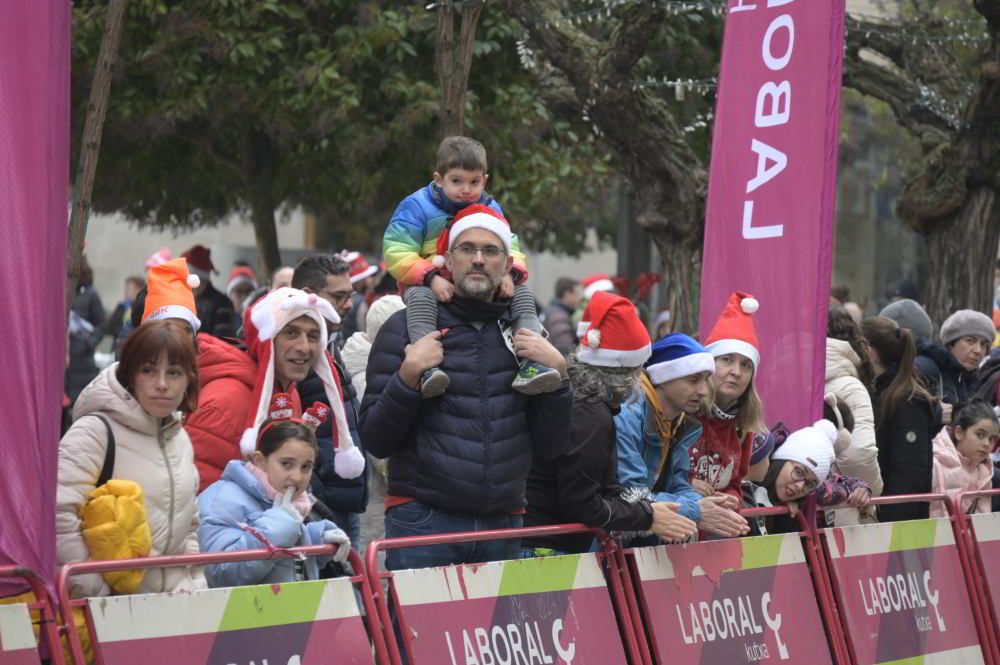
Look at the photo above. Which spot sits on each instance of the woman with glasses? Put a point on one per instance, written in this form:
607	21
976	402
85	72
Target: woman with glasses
800	467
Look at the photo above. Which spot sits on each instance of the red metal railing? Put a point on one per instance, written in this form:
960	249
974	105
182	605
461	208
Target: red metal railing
975	564
45	606
66	605
608	554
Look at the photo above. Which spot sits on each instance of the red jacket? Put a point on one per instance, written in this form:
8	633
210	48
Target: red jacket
720	458
226	374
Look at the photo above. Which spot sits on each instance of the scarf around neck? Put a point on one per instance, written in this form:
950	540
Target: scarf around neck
664	426
303	502
470	310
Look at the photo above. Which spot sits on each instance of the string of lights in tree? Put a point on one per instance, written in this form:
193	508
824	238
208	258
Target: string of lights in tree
700	86
604	11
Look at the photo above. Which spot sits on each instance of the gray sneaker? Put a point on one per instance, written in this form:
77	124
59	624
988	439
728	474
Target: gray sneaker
534	379
433	383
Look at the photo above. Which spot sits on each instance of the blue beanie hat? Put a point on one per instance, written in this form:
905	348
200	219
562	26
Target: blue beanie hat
676	355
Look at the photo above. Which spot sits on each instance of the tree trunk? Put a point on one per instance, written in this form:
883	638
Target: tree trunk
681	267
260	157
962	251
90	144
265	233
454	61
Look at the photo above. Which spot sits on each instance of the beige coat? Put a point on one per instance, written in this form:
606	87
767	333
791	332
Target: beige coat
154	453
859	458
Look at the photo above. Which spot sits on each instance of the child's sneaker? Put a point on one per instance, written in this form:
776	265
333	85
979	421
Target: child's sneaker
433	383
534	379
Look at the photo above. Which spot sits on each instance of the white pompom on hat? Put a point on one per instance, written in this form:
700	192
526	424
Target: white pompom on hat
812	447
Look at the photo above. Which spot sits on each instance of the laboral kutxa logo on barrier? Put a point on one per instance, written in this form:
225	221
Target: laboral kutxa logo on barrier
746	600
300	623
986	528
17	640
552	610
902	593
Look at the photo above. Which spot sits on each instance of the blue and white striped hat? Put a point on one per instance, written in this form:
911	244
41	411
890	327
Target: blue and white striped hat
676	355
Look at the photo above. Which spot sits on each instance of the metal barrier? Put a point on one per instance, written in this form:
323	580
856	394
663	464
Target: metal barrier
45	606
359	579
723	625
897	596
529	640
980	545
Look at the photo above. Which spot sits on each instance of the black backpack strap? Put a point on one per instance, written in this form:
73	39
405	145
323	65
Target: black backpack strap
108	470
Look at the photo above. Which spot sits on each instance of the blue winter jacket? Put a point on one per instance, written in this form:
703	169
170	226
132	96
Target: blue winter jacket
238	499
468	451
639	456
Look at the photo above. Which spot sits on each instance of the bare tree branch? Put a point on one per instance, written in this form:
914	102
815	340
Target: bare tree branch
566	46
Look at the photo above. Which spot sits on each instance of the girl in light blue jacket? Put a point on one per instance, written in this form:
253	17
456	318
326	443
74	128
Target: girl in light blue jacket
265	501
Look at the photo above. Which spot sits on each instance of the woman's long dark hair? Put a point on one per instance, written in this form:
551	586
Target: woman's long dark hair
895	347
840	325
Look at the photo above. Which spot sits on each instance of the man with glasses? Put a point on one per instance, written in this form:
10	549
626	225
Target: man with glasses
460	462
329	277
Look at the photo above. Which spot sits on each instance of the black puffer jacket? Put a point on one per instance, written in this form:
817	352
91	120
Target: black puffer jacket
468	451
581	485
341	494
905	451
945	376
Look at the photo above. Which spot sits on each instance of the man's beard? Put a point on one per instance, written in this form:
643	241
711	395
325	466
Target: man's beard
482	289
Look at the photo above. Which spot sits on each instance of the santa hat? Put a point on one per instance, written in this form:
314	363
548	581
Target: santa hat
239	276
676	355
168	293
199	258
261	324
812	447
734	331
614	336
476	216
360	268
159	257
594	283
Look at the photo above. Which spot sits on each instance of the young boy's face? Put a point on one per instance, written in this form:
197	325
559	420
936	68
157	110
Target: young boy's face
460	185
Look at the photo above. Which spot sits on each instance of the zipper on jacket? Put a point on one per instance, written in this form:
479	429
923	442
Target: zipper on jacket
485	402
170	513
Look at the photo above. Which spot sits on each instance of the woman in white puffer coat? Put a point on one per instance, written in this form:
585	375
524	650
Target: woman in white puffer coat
139	399
847	370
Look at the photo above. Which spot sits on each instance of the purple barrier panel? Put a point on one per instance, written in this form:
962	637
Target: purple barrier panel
747	600
548	610
986	529
17	639
302	623
902	595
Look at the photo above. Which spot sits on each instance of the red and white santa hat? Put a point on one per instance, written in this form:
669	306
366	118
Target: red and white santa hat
598	282
476	216
734	331
612	334
360	268
260	325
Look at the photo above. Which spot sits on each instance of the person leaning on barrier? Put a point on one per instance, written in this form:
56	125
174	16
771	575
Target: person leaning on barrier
656	429
460	461
135	406
801	467
581	484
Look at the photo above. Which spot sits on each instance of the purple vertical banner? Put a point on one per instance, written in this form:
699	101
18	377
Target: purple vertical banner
772	189
34	209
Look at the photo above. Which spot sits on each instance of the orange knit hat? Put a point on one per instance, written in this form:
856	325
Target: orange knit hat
169	293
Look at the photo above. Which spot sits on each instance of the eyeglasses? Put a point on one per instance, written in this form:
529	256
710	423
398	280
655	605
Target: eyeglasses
469	251
800	475
337	297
